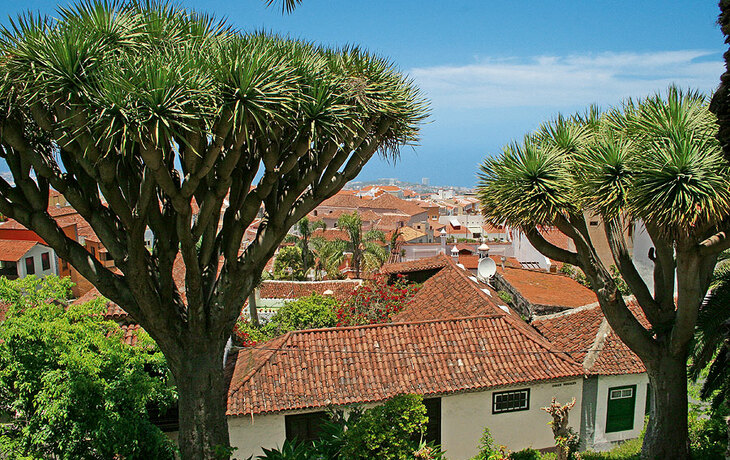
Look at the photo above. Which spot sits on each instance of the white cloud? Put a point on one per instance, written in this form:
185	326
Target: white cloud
565	81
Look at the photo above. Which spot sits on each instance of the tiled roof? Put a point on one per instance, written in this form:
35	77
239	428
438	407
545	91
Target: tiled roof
322	367
584	333
344	201
469	261
428	263
130	332
341	290
389	222
388	201
542	288
14	250
331	234
450	293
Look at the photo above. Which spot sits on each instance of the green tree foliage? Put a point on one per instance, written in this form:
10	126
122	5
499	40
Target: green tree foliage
288	264
305	228
366	252
391	431
710	354
309	312
329	257
656	160
69	385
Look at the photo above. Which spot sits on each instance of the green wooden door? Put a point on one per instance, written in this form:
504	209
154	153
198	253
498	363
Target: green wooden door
620	411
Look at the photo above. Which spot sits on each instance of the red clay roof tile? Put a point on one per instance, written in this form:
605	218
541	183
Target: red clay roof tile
14	250
577	332
322	367
542	288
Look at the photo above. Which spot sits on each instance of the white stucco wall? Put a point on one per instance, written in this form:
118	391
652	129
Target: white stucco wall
36	252
524	251
464	417
249	435
603	440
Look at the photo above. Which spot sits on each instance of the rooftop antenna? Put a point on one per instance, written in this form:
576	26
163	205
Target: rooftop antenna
486	269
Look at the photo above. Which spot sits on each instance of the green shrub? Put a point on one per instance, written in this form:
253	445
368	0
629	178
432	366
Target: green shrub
388	432
69	384
526	454
310	312
505	296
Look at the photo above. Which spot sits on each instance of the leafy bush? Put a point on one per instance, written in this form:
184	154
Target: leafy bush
388	432
488	450
376	301
505	296
70	385
309	312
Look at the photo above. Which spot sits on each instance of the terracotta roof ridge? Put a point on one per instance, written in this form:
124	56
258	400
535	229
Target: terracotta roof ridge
398	324
568	312
278	342
604	329
519	324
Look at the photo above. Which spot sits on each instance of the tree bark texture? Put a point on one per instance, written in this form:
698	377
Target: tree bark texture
666	435
202	393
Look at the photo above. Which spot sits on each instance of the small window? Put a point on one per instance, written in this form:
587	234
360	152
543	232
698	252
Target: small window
46	261
510	401
92	251
594	223
305	427
29	266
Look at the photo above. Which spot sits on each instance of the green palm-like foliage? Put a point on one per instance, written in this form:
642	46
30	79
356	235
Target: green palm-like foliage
655	160
305	228
366	253
527	185
329	256
712	337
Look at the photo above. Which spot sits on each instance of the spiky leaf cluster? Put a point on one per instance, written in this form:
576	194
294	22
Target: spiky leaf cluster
655	159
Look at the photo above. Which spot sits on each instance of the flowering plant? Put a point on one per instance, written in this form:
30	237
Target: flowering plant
376	301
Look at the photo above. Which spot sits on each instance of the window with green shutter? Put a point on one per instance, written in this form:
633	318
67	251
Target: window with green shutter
620	411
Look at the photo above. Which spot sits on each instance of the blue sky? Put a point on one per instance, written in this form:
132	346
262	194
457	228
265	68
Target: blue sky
495	69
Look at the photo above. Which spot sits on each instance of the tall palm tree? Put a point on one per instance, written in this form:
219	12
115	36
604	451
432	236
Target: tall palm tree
329	256
656	160
133	109
366	253
306	229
